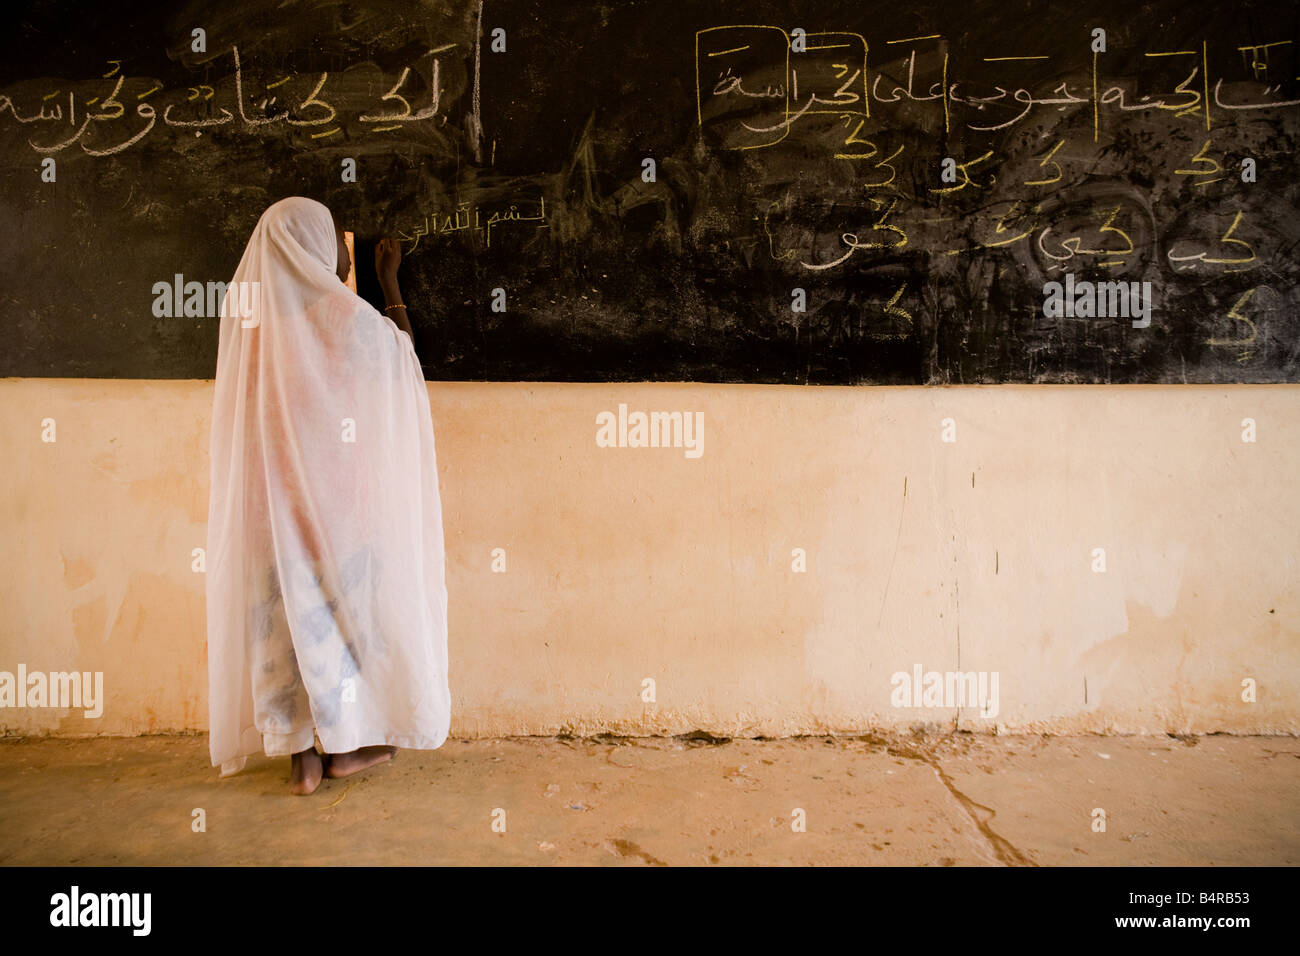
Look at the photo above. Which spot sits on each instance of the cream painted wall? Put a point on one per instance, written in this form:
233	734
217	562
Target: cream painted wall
625	564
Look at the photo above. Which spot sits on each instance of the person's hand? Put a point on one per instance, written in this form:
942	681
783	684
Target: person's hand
388	256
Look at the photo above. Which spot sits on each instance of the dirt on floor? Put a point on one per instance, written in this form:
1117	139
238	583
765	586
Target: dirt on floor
953	800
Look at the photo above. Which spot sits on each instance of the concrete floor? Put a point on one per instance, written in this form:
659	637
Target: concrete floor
906	800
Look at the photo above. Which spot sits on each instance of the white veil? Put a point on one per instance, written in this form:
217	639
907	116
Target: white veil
326	596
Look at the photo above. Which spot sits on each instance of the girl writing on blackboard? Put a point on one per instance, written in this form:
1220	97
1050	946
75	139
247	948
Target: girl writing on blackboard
326	600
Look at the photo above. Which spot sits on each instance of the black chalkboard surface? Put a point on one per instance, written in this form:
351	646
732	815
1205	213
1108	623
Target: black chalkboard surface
650	184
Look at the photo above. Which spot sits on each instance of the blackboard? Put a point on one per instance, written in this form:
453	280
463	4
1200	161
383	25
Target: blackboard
794	147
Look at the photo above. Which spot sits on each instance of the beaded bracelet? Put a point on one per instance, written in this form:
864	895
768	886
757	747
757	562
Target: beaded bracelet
398	306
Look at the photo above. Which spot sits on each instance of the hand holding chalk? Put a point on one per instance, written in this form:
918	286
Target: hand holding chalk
388	256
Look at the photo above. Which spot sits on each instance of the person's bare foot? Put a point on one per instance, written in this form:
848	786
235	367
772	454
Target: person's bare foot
344	765
306	772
